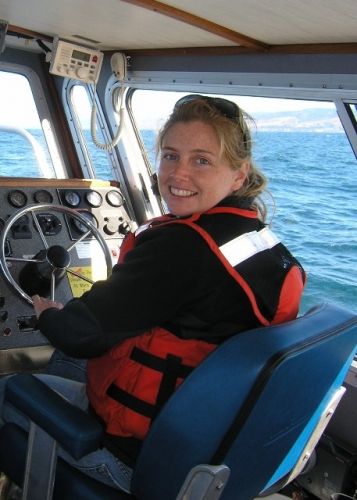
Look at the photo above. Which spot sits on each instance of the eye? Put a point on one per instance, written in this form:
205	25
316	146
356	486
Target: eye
202	161
170	156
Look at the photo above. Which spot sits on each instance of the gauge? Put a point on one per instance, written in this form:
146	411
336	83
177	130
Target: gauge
43	196
94	199
114	198
17	198
72	198
80	226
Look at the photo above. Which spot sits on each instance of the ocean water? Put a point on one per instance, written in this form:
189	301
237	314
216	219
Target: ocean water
18	158
313	182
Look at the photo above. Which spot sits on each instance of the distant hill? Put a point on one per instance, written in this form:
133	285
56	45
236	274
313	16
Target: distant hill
305	120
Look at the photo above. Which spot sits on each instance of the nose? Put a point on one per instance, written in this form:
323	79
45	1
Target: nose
181	169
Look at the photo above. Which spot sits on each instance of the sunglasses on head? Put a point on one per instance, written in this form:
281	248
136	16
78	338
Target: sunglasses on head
227	108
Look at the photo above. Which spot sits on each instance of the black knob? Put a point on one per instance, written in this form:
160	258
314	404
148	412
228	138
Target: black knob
124	228
111	227
58	257
3	316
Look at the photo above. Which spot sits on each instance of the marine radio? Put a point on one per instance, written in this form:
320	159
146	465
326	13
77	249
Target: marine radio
75	61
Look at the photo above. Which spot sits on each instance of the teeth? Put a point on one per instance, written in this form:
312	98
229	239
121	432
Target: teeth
181	192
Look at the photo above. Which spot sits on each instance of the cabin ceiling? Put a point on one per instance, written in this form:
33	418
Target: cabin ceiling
148	24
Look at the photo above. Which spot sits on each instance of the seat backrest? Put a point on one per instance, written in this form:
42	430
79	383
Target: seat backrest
251	405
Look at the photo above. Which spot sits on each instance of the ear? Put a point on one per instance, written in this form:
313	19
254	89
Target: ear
240	175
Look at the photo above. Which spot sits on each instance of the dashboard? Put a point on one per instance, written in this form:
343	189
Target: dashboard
29	233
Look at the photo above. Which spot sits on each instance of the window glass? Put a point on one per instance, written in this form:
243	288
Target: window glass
353	108
302	149
99	159
23	148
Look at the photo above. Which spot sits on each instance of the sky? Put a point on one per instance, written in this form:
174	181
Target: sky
16	102
17	107
146	106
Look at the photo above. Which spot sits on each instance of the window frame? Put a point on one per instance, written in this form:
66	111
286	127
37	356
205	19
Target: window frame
44	115
80	142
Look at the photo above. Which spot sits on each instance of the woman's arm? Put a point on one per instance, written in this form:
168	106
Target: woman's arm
157	278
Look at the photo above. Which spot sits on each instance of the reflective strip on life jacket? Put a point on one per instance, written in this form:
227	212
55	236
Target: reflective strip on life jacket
246	245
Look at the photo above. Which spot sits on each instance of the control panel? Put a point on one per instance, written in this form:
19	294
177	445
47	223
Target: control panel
28	231
75	61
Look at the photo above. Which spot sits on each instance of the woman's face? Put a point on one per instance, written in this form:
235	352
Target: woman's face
193	177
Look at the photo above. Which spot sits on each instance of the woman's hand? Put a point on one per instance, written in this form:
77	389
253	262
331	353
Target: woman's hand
41	304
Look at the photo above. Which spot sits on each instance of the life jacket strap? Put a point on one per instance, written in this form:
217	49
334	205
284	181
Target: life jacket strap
171	368
168	381
130	401
159	364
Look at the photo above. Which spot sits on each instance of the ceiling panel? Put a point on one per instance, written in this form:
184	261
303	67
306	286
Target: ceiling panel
118	25
281	21
112	23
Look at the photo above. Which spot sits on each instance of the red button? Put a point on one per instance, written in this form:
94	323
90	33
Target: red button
95	59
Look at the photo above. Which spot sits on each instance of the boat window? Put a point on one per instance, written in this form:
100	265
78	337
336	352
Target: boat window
303	150
353	112
96	162
24	149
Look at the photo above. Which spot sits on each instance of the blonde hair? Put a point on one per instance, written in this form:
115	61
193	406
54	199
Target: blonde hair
235	142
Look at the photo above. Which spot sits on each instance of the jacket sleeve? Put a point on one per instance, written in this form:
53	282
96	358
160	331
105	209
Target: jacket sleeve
75	331
157	278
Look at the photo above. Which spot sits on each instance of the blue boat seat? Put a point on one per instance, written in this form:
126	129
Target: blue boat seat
240	426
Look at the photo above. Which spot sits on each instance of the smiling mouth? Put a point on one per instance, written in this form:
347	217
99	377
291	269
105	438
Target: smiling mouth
182	193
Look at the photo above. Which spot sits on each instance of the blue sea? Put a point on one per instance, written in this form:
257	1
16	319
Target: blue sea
313	182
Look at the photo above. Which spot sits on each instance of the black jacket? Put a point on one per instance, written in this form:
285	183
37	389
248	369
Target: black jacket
170	279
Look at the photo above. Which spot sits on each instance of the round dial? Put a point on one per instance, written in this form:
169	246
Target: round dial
17	198
82	72
114	198
43	196
94	199
82	228
72	198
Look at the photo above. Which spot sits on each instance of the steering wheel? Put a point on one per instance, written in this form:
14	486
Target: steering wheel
56	257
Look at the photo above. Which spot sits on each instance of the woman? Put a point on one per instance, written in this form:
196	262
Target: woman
184	283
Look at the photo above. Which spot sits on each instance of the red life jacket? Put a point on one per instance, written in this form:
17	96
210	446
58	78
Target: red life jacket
128	386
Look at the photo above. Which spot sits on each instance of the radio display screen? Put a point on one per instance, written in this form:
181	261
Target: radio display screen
81	56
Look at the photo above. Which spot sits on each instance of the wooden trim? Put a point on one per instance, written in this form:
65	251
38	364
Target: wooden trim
315	48
199	22
318	48
65	134
29	33
188	51
57	183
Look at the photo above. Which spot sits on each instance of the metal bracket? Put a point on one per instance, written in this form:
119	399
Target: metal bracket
3	30
40	474
204	482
